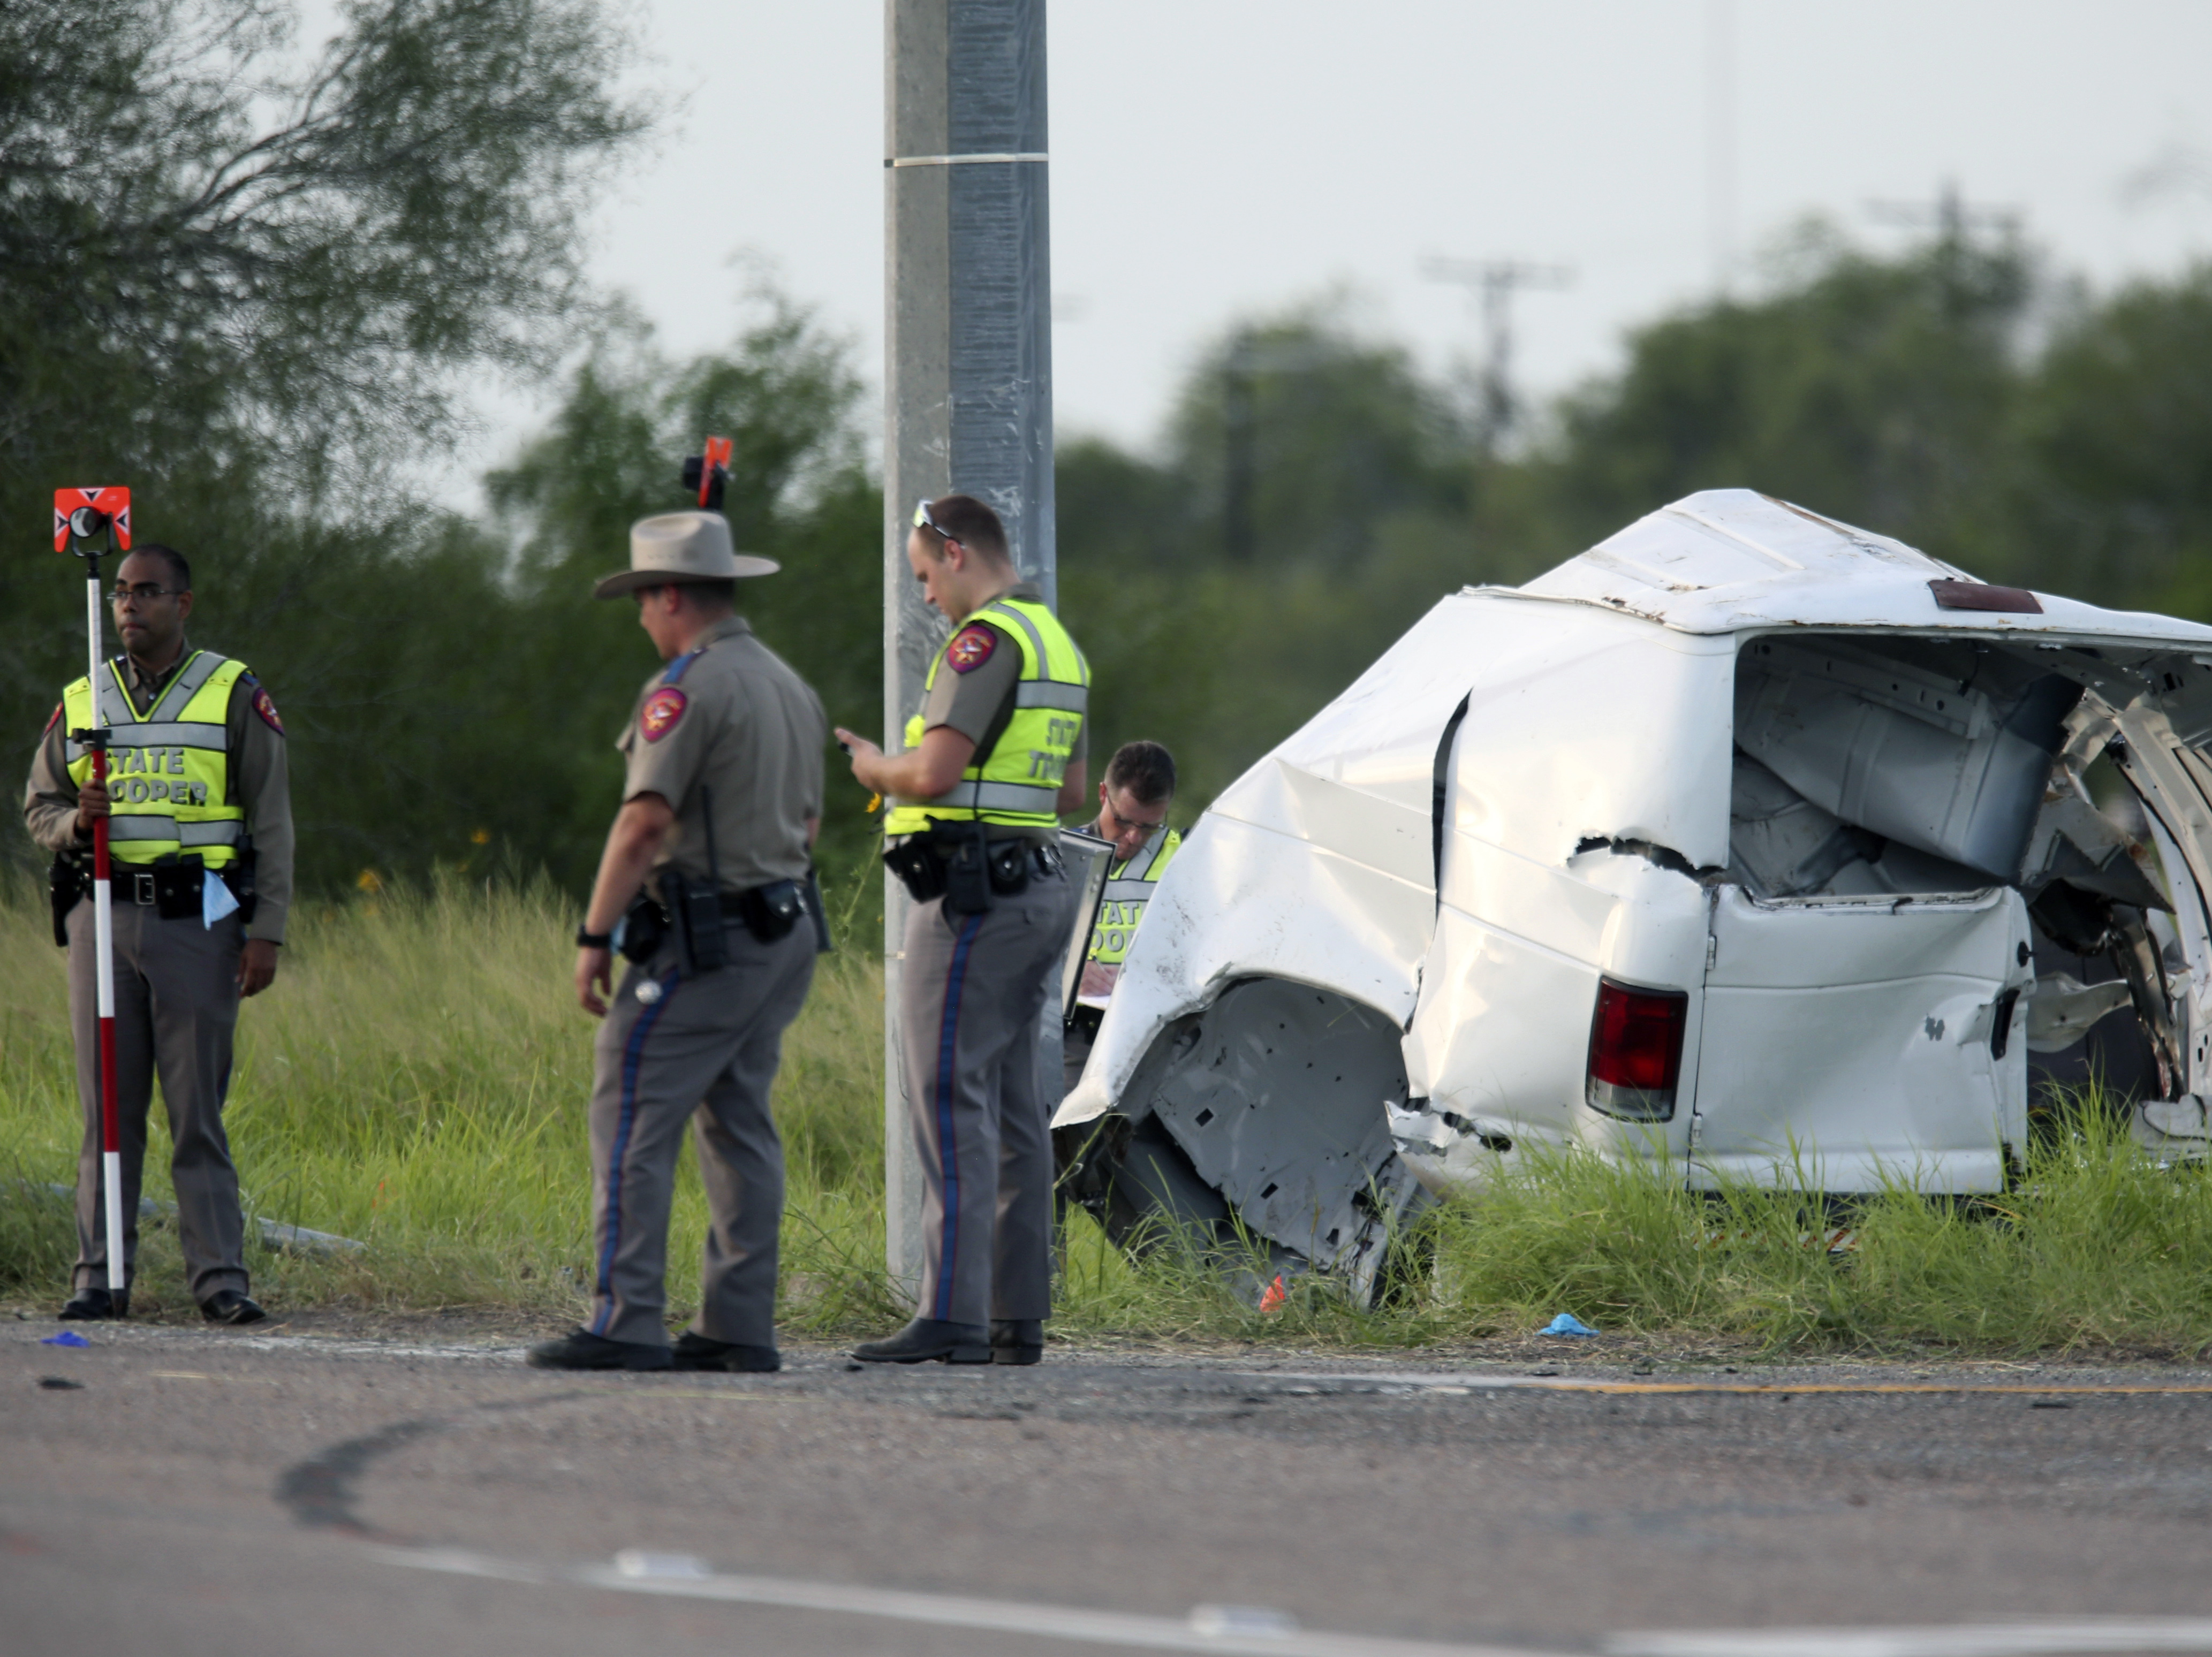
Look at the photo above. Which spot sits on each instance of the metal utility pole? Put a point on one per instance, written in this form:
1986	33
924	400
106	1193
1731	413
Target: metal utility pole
1493	282
1720	139
1955	223
967	383
1949	216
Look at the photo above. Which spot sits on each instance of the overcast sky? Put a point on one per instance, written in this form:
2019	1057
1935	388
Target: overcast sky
1213	158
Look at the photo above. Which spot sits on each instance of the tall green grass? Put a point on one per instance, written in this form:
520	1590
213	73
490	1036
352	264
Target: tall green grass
417	1079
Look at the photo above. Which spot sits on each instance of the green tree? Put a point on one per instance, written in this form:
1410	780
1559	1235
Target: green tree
787	397
2108	495
243	283
1878	390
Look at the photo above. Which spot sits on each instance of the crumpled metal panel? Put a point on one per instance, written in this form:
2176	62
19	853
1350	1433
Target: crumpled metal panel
1583	725
1315	867
1277	1093
1735	561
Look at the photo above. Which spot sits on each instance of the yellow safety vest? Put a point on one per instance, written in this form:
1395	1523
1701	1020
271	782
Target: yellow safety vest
1018	782
1128	888
168	768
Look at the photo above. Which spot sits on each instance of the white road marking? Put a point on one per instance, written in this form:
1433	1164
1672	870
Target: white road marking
2086	1636
1256	1631
1454	1381
1249	1631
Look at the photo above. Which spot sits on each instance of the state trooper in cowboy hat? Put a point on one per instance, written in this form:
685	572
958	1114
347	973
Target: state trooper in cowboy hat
703	879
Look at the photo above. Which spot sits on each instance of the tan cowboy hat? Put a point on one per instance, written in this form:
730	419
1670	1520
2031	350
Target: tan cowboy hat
681	546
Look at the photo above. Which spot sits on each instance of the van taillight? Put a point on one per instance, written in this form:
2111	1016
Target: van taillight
1636	1051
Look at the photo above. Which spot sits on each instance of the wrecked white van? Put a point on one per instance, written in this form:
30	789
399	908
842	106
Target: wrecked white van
1746	836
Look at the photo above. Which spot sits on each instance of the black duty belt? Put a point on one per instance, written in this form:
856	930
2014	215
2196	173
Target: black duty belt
933	866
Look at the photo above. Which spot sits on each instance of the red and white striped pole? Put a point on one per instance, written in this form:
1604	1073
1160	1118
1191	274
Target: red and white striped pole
80	514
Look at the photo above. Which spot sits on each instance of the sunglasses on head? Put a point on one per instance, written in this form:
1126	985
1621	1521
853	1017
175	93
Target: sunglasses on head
922	520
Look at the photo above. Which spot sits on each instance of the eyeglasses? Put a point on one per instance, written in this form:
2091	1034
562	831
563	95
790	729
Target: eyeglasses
922	520
145	591
1124	825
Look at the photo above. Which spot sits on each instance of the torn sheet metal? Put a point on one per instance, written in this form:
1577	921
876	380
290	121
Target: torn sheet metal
2065	1009
1733	774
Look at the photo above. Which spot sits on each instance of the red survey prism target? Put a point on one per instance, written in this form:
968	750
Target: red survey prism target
111	502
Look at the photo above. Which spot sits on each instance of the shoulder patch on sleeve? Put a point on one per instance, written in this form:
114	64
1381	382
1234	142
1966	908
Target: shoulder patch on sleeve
971	647
661	712
267	710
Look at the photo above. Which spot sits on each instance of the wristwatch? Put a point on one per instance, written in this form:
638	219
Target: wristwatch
587	939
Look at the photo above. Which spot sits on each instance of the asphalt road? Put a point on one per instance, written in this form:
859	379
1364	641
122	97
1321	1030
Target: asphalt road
246	1494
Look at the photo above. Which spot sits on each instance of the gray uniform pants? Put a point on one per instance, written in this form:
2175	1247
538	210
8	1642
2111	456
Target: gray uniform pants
705	1053
969	1001
176	1009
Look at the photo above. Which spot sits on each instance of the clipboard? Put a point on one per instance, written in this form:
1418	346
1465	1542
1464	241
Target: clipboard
1088	858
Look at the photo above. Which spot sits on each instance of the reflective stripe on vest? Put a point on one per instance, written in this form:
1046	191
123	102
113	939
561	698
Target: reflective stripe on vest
1018	782
169	770
1121	904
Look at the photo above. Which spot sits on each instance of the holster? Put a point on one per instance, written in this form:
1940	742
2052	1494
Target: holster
697	906
69	881
238	876
919	870
966	866
642	930
820	912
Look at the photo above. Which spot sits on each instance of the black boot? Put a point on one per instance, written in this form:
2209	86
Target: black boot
89	1303
1016	1340
930	1339
582	1349
228	1306
693	1350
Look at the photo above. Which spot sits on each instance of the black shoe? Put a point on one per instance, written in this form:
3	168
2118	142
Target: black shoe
88	1304
930	1341
582	1349
693	1350
1016	1340
228	1306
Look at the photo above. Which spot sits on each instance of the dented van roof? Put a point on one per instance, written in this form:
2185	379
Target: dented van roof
1732	561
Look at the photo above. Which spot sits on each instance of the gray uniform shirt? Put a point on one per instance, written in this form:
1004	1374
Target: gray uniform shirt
260	781
731	717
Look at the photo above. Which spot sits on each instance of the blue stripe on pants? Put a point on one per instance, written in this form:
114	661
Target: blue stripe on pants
632	1055
948	1031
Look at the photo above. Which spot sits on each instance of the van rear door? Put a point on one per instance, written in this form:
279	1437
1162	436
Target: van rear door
1852	1043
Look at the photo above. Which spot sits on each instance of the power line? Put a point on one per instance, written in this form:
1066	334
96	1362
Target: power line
1492	284
1950	215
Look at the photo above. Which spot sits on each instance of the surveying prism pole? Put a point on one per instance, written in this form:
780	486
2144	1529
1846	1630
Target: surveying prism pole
79	516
